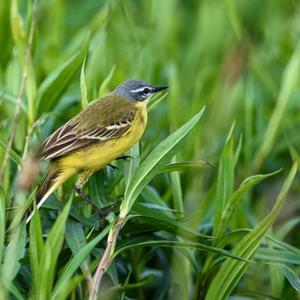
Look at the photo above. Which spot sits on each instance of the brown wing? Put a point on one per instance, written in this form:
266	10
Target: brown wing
106	119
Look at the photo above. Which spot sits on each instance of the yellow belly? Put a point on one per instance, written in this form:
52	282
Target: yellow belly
99	155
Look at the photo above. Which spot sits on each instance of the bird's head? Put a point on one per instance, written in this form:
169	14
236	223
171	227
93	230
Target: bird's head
137	90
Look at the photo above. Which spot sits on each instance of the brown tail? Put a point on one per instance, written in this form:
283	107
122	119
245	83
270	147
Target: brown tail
46	188
46	185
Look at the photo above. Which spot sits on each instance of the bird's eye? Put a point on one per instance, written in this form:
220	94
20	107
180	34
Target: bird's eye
146	91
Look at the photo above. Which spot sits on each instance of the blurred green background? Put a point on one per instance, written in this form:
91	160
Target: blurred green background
240	59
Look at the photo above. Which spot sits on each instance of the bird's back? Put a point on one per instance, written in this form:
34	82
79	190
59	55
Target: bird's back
98	155
98	135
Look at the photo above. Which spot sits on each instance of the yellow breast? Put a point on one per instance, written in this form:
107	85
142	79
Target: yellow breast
99	155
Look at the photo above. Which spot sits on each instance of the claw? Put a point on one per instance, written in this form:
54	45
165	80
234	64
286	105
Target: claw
86	198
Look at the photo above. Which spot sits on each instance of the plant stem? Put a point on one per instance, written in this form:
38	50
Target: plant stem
21	90
106	258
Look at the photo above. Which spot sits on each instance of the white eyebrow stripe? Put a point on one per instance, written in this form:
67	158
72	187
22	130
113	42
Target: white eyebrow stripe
139	89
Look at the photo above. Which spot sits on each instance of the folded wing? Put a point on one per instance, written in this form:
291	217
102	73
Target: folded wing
74	135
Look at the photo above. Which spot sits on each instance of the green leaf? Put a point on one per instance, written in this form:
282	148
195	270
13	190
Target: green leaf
57	82
277	256
287	227
17	27
183	166
49	255
20	211
103	90
131	165
130	243
234	199
255	295
36	245
158	220
290	275
231	271
76	241
177	192
225	179
31	90
83	88
289	83
14	252
76	261
15	292
155	99
12	154
152	163
2	222
69	287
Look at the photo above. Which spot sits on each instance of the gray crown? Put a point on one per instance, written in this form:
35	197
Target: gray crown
137	90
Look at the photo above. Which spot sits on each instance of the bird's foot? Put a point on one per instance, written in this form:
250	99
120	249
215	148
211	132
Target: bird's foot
102	214
113	206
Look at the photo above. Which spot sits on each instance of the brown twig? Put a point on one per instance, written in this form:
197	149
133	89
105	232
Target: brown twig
106	258
21	90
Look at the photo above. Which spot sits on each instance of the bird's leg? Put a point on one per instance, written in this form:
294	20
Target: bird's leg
114	205
82	180
124	157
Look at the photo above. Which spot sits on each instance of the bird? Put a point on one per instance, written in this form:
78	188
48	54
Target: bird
95	137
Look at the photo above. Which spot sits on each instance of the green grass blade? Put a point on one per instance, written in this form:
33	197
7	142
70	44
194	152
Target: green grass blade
17	27
177	192
20	211
83	88
141	242
15	292
56	83
36	245
231	271
12	154
234	199
103	90
150	166
2	223
76	261
289	83
13	253
50	254
290	275
183	166
76	241
225	179
161	221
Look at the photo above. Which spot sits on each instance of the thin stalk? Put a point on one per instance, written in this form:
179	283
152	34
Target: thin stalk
106	258
21	92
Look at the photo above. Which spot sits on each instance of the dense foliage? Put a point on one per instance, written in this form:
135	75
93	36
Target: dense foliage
209	199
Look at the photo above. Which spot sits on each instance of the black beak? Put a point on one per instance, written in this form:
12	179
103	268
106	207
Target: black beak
157	89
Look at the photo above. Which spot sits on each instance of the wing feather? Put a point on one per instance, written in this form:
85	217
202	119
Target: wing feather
71	136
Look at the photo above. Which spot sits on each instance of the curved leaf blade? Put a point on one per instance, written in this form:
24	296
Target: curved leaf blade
231	271
152	163
57	82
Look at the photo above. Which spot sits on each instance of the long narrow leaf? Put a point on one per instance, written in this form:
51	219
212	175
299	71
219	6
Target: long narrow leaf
225	179
231	271
56	83
151	165
49	255
233	201
76	261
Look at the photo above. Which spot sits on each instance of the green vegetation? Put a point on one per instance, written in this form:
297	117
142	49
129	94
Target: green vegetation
209	200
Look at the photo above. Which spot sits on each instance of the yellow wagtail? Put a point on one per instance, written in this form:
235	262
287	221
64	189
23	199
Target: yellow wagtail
95	137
